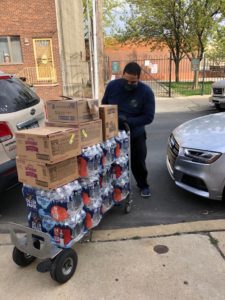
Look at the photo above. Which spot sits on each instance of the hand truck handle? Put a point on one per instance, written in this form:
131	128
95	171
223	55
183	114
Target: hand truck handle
126	127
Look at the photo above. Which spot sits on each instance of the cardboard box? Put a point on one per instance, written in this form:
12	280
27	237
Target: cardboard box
90	132
47	176
72	111
109	116
48	144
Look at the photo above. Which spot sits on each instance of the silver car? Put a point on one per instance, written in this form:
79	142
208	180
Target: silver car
196	156
218	95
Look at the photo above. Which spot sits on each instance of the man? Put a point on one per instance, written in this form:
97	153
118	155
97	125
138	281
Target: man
136	107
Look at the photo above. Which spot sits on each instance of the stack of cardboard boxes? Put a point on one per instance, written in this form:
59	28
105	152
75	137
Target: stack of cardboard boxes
47	156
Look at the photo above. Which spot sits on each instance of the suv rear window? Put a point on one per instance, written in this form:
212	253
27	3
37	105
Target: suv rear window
15	96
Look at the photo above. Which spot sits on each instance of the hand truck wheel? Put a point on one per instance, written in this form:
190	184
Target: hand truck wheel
22	259
64	265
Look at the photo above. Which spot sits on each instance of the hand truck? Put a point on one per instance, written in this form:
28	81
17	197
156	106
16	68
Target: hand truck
30	244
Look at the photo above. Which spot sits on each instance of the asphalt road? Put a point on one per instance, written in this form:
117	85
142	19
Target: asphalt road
168	204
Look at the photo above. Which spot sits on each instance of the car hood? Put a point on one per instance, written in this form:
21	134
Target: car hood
219	84
206	133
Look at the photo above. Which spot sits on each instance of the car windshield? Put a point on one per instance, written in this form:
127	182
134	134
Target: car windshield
15	96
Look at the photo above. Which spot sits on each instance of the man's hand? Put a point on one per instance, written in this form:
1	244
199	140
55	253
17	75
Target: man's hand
122	121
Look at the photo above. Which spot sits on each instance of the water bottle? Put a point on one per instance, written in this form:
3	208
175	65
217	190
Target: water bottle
120	166
96	184
107	199
121	188
125	142
106	177
44	198
59	205
87	162
108	148
79	229
97	216
119	144
86	191
75	196
48	222
113	146
100	159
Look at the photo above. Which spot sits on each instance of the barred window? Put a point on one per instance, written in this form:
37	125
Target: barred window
10	50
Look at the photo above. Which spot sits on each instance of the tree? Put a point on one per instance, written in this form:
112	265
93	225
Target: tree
216	48
108	11
202	21
184	26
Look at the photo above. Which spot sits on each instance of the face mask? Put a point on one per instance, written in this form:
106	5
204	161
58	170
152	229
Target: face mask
130	87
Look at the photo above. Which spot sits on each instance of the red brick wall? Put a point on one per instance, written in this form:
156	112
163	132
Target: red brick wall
127	53
31	19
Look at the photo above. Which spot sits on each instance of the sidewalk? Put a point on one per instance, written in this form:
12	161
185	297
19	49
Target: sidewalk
177	104
124	264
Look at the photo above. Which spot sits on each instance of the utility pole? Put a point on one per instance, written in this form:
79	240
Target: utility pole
90	43
100	47
95	50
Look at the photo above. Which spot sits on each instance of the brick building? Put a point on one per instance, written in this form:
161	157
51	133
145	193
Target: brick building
43	41
155	63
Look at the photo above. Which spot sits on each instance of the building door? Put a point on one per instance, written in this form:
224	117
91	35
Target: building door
44	60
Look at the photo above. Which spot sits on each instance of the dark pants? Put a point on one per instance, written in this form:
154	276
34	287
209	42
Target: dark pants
138	156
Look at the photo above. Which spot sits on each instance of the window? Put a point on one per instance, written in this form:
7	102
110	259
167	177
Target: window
44	60
15	96
10	49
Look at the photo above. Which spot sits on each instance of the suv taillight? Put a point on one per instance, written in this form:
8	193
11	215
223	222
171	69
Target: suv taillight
5	132
4	77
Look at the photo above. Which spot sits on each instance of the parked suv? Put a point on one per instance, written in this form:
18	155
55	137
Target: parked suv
20	108
218	94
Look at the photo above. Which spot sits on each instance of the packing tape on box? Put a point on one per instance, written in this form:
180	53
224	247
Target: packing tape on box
84	133
72	139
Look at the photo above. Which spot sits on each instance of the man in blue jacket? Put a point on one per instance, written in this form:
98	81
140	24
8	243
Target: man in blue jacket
136	107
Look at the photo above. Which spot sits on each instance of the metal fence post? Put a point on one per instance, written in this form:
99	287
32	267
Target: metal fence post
170	74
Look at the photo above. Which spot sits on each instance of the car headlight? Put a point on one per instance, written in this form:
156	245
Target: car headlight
201	156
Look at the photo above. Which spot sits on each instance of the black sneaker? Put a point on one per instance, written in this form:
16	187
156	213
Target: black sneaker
145	192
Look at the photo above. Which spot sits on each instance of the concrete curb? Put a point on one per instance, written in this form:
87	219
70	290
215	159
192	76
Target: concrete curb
145	232
157	231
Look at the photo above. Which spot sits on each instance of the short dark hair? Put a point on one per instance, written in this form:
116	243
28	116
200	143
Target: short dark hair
132	68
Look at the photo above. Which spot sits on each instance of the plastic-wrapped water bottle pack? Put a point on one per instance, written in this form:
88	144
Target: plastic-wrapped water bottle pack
107	199
60	208
67	231
91	161
69	211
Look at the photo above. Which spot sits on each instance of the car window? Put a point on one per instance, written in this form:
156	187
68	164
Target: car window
15	96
